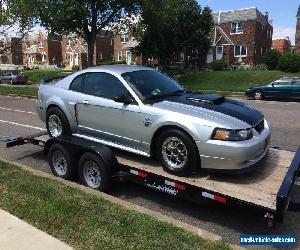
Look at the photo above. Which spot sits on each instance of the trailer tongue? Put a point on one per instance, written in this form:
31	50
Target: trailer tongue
267	189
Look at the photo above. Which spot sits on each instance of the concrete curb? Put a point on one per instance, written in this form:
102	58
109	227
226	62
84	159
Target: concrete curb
127	205
21	96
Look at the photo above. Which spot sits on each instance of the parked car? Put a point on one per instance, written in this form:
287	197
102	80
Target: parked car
143	111
285	87
13	77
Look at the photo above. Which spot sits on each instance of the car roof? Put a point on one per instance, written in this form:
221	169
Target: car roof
119	68
289	78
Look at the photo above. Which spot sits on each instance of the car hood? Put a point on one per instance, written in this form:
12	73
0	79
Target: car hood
213	107
258	86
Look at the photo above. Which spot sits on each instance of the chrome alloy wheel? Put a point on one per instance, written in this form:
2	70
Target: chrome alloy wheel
258	95
91	173
55	126
59	162
174	152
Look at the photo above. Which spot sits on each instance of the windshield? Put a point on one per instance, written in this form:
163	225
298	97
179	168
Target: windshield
150	84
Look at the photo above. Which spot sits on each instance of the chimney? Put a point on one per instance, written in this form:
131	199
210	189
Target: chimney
267	15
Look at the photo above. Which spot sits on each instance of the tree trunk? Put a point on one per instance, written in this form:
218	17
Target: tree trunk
91	44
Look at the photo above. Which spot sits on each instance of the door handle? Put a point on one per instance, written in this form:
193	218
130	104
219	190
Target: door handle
85	102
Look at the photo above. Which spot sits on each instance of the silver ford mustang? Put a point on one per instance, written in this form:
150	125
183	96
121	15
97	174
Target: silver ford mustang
143	111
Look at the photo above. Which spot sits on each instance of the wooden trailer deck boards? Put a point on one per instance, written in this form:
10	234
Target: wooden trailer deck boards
259	186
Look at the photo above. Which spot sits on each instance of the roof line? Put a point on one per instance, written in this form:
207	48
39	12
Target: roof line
234	10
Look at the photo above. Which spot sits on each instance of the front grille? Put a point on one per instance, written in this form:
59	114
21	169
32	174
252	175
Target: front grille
260	126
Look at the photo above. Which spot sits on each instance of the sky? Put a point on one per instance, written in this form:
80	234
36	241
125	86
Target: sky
283	13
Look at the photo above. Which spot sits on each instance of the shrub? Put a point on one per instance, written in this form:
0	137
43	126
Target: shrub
271	59
218	65
289	62
75	68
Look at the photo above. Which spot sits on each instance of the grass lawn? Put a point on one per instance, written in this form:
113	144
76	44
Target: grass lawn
35	76
84	221
28	91
231	81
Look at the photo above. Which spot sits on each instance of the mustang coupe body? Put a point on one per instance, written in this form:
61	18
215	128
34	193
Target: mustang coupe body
143	111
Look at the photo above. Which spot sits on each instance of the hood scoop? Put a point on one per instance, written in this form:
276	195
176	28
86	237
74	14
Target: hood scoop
206	99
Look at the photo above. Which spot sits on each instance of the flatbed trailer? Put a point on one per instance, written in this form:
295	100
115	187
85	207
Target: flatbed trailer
267	189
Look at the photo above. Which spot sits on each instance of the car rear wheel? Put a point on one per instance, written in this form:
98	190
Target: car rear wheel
57	123
177	152
258	95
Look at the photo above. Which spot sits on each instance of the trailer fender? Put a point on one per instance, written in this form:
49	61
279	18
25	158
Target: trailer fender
77	146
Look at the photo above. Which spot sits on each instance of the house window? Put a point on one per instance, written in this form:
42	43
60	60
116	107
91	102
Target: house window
111	42
120	56
41	45
43	58
240	50
100	56
124	38
237	28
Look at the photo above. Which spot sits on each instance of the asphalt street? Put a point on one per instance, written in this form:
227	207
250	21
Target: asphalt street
18	118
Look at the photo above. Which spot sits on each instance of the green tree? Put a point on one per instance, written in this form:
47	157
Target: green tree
271	58
82	17
14	20
289	62
167	25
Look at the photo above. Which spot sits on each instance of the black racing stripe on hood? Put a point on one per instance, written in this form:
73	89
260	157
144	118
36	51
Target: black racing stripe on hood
226	106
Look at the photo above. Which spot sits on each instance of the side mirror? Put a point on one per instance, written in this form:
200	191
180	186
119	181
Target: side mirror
272	84
124	99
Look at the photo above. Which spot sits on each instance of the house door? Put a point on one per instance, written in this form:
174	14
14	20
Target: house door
76	59
219	52
210	56
128	57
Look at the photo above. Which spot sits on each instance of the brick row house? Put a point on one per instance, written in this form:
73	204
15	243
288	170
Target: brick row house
14	52
123	49
240	36
41	49
297	36
283	45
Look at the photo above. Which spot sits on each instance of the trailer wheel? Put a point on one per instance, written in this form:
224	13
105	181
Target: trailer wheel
93	172
61	163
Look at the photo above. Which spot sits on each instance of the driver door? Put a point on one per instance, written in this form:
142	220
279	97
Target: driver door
99	115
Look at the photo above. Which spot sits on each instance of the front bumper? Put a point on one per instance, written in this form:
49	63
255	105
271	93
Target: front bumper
248	93
225	155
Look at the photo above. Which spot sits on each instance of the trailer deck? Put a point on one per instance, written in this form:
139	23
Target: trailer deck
259	187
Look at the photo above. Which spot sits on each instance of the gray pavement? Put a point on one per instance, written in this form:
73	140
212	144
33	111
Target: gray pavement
17	234
224	221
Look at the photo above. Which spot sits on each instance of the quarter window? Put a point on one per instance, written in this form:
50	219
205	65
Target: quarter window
237	28
104	85
240	50
76	84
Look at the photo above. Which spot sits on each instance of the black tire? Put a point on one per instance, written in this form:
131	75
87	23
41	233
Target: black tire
62	119
66	168
258	95
192	161
90	176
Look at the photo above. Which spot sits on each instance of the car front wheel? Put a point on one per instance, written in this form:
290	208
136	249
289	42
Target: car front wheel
258	95
177	152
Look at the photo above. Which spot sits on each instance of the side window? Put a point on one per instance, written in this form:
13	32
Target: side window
283	83
104	85
297	82
76	84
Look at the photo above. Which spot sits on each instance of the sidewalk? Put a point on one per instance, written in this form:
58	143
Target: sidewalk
17	234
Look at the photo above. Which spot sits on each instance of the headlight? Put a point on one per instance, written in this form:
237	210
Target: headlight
232	135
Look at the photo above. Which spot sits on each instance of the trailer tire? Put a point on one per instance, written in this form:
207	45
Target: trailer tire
185	150
93	172
61	163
